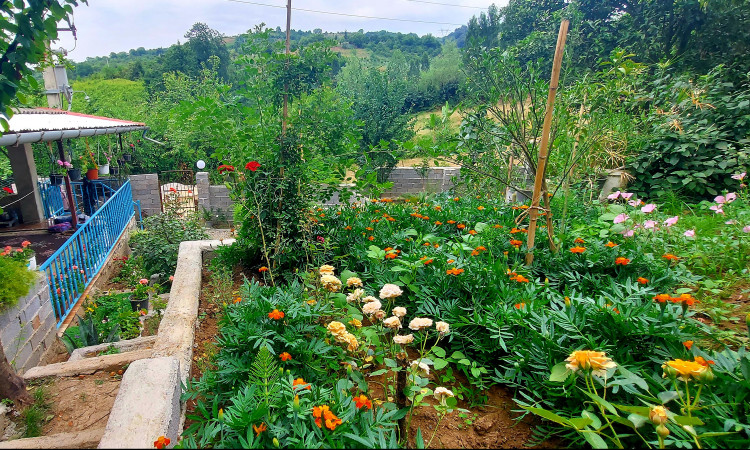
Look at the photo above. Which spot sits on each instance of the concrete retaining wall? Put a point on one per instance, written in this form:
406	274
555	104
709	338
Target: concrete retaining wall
28	328
146	189
213	198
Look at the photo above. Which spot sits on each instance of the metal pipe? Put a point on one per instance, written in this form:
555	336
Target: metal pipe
29	137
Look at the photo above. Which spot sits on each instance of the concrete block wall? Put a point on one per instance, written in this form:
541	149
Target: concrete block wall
213	198
408	180
28	328
146	189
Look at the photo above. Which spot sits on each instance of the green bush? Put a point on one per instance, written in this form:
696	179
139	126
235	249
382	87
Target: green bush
15	281
159	242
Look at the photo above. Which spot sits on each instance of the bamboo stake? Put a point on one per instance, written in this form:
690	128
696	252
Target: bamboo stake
543	149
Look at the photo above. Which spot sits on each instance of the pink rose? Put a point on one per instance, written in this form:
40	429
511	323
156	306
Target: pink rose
671	221
143	281
621	218
650	224
648	208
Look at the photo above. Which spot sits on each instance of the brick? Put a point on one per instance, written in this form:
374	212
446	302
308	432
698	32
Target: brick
20	358
9	334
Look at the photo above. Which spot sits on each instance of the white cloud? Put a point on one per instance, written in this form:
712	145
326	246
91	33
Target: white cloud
106	26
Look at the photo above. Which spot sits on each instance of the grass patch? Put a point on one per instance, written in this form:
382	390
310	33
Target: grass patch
36	415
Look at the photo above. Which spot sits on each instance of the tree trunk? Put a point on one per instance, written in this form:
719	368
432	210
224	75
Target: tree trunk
11	385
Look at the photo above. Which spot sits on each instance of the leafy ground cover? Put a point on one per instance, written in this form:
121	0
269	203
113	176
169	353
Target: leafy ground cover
599	339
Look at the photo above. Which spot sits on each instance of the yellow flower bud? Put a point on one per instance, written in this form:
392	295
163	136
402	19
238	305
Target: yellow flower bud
276	443
296	403
662	431
658	415
221	414
567	302
706	376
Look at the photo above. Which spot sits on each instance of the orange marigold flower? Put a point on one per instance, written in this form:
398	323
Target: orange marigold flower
497	226
348	227
704	362
481	248
238	299
451	261
579	241
688	344
300	382
481	208
161	442
369	228
670	257
388	249
474	253
426	244
662	298
276	315
437	222
577	249
519	305
642	280
390	219
362	402
524	206
455	199
371	238
454	271
391	255
610	244
263	269
285	356
451	222
520	279
622	261
472	232
460	226
429	261
259	429
515	243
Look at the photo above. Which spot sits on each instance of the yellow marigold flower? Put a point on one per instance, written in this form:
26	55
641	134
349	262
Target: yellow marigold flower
336	328
355	323
597	362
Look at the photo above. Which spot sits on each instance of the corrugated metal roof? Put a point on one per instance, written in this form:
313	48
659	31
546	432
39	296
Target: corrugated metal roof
48	119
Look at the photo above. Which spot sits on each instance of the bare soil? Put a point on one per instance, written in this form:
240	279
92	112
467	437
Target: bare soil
81	403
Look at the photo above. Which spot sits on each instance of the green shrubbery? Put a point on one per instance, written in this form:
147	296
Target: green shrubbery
158	243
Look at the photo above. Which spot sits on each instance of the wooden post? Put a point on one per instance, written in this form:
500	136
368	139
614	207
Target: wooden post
543	148
286	87
69	188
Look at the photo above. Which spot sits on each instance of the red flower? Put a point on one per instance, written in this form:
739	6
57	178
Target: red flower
362	401
263	269
252	166
285	356
276	315
225	168
162	442
8	190
642	280
622	261
688	344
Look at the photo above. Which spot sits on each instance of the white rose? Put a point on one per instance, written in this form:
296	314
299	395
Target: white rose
355	295
326	270
390	291
353	282
399	311
419	323
420	368
442	393
371	307
369	299
392	322
379	314
330	283
442	327
405	339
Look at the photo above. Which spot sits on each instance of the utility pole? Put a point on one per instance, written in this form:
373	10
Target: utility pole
286	86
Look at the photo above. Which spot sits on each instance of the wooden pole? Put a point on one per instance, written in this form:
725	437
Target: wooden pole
69	188
286	87
543	148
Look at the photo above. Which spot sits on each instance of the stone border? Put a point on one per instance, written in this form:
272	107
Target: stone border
148	403
139	343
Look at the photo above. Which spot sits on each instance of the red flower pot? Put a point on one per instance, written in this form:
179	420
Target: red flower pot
92	174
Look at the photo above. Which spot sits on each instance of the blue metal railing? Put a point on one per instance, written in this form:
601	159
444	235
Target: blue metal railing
88	196
72	267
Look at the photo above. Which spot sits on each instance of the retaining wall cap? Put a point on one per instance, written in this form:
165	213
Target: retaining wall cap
86	366
81	439
147	405
126	345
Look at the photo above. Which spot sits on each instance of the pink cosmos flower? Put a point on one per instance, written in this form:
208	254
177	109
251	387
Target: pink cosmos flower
746	229
634	203
626	195
628	233
614	195
671	221
731	197
621	218
648	208
739	176
649	224
689	233
717	209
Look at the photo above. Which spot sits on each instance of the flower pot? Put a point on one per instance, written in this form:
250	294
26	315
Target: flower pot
92	174
55	179
74	174
114	170
137	305
31	265
126	157
104	169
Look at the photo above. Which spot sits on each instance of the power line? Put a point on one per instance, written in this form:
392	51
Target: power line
446	4
345	14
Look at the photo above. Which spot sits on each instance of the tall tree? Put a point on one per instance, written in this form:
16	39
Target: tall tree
205	42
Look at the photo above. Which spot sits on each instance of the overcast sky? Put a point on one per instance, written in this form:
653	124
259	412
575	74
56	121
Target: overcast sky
106	26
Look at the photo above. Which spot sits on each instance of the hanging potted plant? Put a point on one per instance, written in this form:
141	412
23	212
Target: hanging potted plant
114	170
127	156
56	179
92	168
105	168
74	174
141	295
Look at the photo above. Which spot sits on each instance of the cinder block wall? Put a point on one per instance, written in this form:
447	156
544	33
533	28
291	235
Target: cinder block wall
146	189
28	329
214	198
408	180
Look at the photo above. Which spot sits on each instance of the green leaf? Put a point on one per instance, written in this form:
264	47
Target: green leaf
594	440
549	415
637	420
439	352
667	396
439	363
390	363
559	373
580	422
601	402
458	355
687	421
